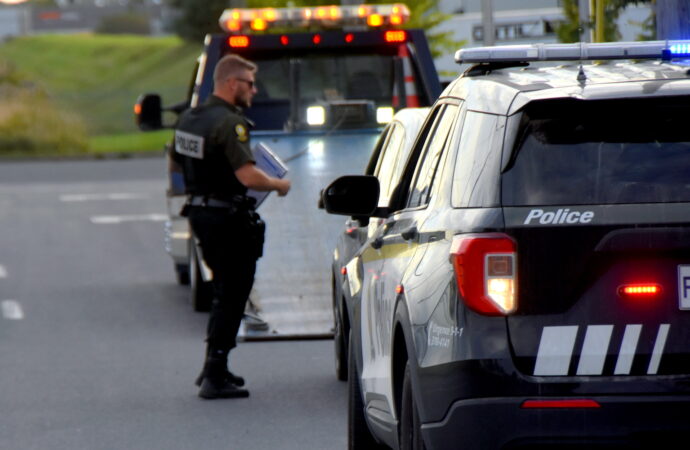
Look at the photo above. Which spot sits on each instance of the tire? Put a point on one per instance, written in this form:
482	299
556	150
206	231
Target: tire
358	435
410	437
182	274
201	291
340	343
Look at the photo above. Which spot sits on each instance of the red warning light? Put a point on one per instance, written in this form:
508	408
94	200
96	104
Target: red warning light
316	39
395	36
639	290
349	37
284	40
238	41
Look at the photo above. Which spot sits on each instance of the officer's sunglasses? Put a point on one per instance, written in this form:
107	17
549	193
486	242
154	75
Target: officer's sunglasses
249	82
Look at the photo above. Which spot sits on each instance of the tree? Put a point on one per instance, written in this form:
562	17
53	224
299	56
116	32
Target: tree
195	20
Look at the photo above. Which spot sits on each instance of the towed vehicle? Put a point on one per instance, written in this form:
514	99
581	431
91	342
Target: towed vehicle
387	161
329	79
529	285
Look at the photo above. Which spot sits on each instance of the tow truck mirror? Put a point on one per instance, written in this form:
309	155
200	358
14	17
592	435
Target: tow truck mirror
352	195
148	112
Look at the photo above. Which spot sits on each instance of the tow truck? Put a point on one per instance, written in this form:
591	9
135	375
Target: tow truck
324	94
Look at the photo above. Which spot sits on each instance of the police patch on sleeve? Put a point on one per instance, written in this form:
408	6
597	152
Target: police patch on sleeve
242	134
189	144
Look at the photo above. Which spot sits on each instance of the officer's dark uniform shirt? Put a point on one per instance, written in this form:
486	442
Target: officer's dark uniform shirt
211	142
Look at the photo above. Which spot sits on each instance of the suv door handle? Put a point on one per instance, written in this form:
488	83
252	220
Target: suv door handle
377	243
410	234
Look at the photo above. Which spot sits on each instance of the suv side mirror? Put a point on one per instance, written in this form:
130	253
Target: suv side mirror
148	112
352	195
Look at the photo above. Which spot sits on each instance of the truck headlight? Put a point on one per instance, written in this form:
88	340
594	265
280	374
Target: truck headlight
316	115
384	114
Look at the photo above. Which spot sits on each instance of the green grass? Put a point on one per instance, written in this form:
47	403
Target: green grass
99	77
137	142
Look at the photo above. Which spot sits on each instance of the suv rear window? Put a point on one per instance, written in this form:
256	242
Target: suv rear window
572	152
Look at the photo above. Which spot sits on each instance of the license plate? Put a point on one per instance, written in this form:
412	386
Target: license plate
684	286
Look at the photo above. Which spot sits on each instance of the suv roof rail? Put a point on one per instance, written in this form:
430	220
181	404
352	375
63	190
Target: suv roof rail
664	50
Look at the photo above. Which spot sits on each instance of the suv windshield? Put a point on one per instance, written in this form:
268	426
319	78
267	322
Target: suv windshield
601	152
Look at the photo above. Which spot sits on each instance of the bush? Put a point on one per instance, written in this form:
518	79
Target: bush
31	125
126	23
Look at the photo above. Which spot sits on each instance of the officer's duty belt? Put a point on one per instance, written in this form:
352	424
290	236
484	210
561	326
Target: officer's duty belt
205	201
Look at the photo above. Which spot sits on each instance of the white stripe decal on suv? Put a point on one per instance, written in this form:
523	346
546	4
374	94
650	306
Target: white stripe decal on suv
555	350
557	344
658	349
594	350
627	351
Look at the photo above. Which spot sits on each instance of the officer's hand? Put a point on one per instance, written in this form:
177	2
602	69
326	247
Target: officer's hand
283	186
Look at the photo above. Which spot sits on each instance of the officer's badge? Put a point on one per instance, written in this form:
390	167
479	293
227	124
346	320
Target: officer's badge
242	134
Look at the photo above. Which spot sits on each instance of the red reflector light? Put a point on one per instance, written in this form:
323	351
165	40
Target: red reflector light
486	272
579	403
639	290
349	37
343	270
395	36
316	39
399	289
284	40
137	109
239	41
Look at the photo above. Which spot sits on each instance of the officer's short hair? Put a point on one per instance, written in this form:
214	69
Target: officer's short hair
231	66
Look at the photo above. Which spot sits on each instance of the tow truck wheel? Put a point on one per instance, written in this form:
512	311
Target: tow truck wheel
182	274
410	426
201	291
358	435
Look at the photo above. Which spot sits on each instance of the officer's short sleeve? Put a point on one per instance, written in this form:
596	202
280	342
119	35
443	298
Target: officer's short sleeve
237	149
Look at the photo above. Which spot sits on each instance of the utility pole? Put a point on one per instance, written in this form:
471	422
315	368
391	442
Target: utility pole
600	21
585	21
488	29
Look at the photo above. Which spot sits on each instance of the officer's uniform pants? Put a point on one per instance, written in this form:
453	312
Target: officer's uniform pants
230	252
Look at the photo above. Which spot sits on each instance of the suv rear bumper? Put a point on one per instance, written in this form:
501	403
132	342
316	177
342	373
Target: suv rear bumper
622	421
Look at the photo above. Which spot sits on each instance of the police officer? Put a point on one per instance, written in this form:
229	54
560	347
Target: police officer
212	146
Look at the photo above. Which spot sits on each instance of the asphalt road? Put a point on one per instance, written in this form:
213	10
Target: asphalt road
98	345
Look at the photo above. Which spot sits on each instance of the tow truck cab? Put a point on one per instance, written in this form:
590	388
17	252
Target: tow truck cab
348	74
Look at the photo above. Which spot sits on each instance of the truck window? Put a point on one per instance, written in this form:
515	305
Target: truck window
328	76
602	152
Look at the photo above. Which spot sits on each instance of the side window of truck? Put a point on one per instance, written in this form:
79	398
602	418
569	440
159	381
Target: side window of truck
430	157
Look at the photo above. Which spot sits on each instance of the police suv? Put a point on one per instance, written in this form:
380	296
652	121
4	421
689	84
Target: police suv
530	283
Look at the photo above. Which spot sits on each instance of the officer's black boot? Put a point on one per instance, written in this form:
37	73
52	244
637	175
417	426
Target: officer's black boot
231	377
215	383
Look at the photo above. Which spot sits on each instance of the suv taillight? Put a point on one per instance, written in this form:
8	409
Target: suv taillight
485	270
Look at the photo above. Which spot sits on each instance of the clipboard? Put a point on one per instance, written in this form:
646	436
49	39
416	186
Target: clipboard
270	163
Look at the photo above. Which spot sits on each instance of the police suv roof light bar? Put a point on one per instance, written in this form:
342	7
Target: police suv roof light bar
664	50
260	19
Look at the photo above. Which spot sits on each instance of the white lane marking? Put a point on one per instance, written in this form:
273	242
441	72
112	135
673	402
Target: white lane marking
3	272
658	349
97	197
555	350
129	218
628	349
594	350
12	310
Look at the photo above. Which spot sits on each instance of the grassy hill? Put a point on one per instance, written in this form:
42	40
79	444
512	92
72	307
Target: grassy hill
99	77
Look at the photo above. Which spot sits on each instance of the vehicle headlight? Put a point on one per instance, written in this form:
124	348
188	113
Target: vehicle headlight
316	115
384	114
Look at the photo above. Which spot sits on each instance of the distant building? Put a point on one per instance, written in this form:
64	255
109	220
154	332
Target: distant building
534	21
